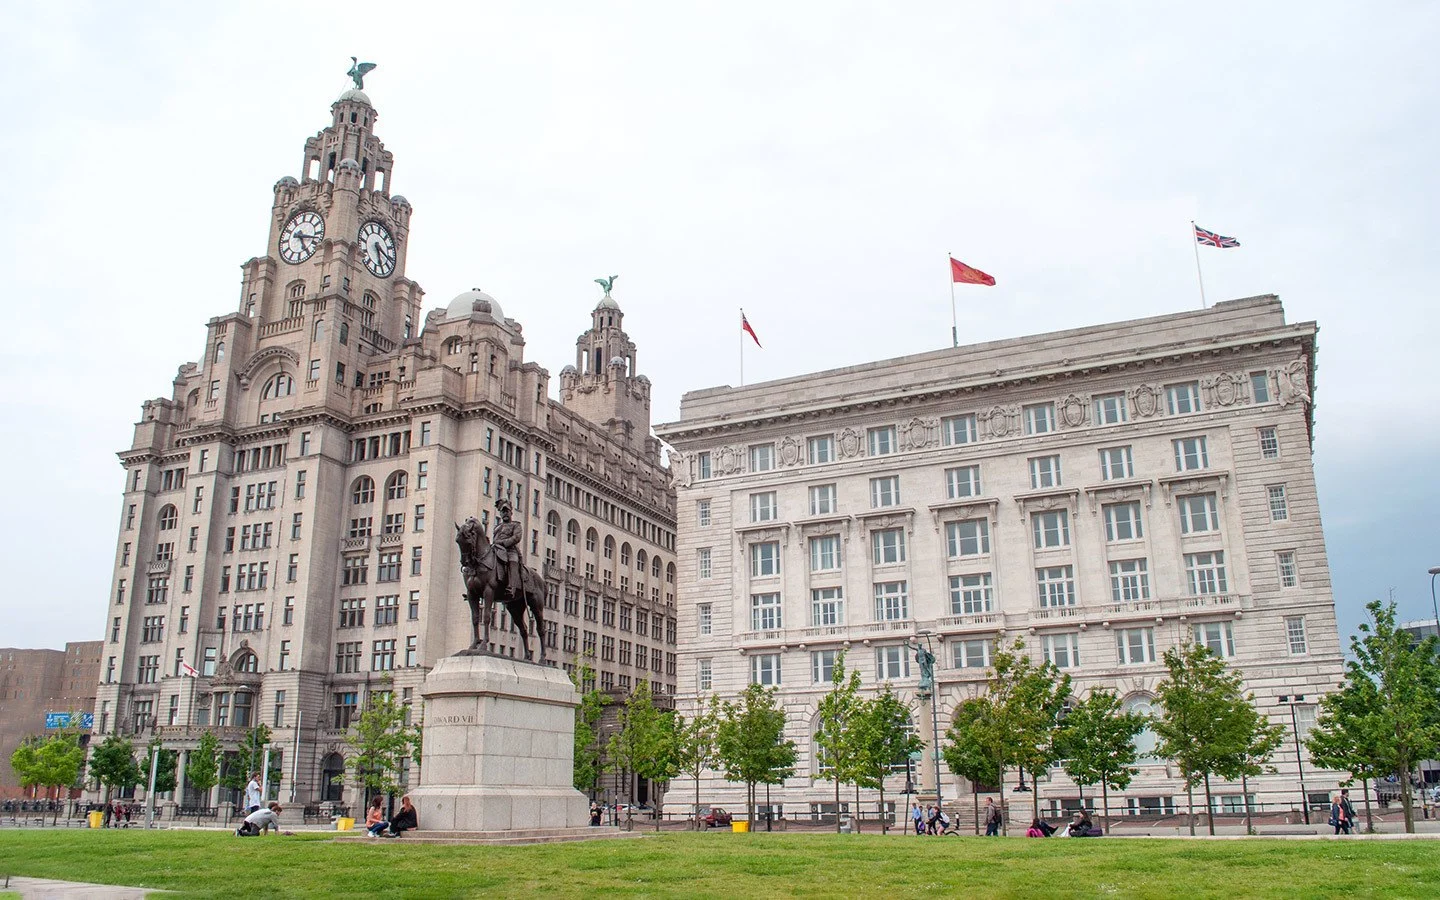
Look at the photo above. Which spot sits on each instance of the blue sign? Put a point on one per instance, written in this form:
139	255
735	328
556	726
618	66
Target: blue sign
63	720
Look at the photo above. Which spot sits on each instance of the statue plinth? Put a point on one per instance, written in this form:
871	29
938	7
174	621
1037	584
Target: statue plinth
498	748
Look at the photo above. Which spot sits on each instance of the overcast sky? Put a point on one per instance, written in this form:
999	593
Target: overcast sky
810	162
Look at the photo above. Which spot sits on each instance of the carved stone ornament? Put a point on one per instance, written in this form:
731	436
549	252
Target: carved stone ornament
1294	383
1072	411
918	433
1145	400
848	443
728	460
680	473
1224	388
789	452
998	421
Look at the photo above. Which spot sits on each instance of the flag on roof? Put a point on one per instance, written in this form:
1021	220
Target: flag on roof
745	324
1212	239
963	274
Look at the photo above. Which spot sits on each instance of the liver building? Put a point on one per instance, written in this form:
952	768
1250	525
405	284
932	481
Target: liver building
285	543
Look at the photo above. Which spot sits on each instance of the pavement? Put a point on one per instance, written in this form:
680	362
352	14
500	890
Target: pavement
50	889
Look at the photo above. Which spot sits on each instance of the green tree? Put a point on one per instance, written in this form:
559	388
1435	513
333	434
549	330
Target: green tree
587	721
835	751
751	744
695	745
1097	744
55	761
883	736
974	745
646	743
379	743
112	764
164	773
248	758
1388	709
202	769
1208	725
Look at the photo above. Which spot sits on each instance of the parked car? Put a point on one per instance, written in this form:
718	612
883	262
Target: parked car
715	817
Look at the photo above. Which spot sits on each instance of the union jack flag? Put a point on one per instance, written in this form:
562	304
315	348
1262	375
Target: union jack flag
1212	239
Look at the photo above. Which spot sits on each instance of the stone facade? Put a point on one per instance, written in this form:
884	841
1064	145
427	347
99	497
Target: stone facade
1103	493
286	523
36	682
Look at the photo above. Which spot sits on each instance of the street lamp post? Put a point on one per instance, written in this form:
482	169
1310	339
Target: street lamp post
933	695
1435	570
1299	765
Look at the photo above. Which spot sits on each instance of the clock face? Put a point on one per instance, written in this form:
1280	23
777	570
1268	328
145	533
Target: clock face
379	248
301	236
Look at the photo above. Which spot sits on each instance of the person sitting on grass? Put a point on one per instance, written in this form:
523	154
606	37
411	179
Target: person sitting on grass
375	818
260	820
404	819
1080	825
1036	829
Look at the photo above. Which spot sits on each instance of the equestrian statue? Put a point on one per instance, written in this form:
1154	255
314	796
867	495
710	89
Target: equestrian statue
492	571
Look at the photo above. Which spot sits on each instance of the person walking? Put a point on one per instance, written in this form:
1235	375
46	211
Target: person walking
992	818
1351	824
375	821
252	793
917	815
1338	818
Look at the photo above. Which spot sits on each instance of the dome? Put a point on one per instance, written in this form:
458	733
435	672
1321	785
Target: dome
569	370
473	301
399	200
348	163
355	96
607	302
617	361
286	182
642	379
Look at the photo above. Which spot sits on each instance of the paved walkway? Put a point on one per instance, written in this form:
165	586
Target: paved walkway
50	889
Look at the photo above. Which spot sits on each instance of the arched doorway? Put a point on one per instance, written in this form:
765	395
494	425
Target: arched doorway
331	767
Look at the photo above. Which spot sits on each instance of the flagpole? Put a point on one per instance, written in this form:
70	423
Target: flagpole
1201	278
742	347
954	322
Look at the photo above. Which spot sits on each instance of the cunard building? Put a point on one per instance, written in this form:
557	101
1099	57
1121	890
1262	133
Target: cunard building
1104	494
285	526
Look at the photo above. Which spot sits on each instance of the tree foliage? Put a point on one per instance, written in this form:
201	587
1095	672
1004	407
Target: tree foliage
1208	725
55	761
882	736
695	747
751	744
587	721
1097	744
112	764
379	742
202	768
164	772
646	742
836	755
249	757
1386	716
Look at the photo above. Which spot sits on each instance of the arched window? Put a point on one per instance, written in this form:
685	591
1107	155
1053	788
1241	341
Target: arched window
625	554
245	661
395	486
344	332
552	524
655	566
332	770
609	547
670	574
297	290
219	352
281	385
640	559
363	490
1146	741
169	518
572	532
319	330
452	346
591	536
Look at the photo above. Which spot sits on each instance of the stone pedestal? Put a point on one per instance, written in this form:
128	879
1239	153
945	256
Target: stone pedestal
498	748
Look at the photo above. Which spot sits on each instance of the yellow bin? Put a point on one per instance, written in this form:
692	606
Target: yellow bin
740	827
344	823
97	819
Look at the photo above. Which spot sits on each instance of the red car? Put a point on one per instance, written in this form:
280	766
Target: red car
714	817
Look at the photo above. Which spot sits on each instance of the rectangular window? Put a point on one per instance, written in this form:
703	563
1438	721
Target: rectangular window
1217	637
765	559
1039	418
820	449
1289	574
970	537
416	560
1279	510
1198	514
885	491
184	625
971	594
1051	529
973	653
1122	522
765	612
413	608
703	618
1055	586
881	441
194	540
1206	572
892	601
1116	463
292	568
355	570
703	678
825	553
1129	580
702	562
762	457
412	651
284	656
1269	443
765	669
387	610
887	547
763	507
827	607
346	705
1044	472
1191	454
1260	386
1295	635
1181	399
1134	646
419	517
702	465
299	486
347	657
892	663
957	430
822	500
702	513
1061	650
209	661
822	666
963	481
1110	409
288	614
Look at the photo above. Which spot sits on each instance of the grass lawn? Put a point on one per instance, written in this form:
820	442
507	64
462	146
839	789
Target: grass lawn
216	864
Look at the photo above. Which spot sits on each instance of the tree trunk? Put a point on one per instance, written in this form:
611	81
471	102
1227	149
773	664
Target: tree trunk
1035	797
750	805
1190	801
1245	796
1004	810
1406	799
1105	804
697	798
884	819
1209	806
1369	819
837	802
855	819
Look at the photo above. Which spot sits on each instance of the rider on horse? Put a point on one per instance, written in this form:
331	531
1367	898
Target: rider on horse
505	545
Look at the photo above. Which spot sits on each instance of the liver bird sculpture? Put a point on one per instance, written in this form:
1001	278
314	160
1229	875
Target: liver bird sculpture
607	283
358	71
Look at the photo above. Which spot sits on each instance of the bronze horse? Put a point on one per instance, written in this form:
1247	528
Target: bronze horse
477	567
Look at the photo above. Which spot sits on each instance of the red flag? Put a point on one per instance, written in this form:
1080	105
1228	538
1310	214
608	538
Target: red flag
188	670
745	324
963	274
